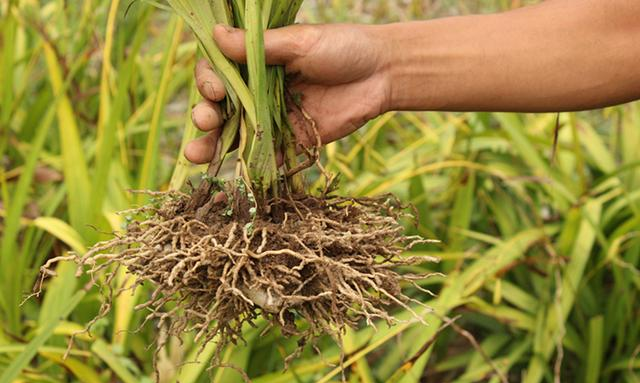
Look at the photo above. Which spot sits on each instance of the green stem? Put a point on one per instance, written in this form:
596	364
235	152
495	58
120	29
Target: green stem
255	90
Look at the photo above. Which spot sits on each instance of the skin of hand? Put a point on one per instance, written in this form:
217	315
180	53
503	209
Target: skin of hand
338	71
555	56
558	55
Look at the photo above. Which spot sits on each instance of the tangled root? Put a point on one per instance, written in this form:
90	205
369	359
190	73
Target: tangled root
330	261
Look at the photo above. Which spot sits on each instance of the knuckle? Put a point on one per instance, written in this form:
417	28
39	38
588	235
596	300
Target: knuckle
303	38
200	67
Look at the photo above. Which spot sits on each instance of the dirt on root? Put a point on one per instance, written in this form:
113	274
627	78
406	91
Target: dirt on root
311	266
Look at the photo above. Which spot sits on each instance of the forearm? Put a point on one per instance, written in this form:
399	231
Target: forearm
556	56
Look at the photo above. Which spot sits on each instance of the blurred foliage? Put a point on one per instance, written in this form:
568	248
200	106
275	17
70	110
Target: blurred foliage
540	247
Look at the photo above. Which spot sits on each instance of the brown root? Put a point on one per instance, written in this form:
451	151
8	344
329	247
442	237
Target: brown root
325	262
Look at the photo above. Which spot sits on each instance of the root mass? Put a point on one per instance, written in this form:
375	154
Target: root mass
323	264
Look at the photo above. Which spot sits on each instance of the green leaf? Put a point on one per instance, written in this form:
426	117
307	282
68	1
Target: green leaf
547	336
181	169
81	370
11	281
63	231
104	352
150	161
74	163
60	289
44	332
595	350
261	159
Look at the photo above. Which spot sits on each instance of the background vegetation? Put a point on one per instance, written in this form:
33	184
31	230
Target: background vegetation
541	248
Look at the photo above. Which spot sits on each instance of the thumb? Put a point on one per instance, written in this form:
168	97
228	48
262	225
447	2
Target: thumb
280	44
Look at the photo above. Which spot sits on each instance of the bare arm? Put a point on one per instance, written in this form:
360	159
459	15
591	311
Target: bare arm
556	56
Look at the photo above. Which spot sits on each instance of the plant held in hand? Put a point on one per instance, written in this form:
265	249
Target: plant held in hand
259	244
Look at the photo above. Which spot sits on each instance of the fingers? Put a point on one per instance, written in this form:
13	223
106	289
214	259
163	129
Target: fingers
209	84
281	45
207	116
202	149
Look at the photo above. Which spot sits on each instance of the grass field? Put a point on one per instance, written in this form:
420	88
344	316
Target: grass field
540	247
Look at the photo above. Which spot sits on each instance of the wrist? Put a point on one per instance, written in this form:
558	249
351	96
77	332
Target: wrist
402	63
386	57
429	65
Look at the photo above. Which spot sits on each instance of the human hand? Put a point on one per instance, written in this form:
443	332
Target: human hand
339	71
